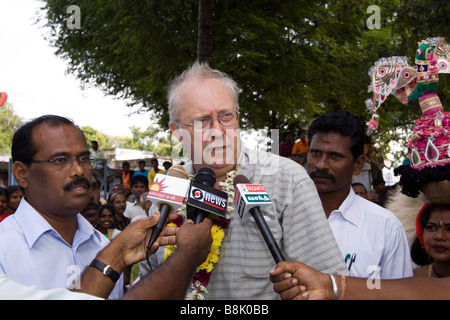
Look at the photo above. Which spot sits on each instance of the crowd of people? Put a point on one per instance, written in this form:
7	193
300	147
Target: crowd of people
333	238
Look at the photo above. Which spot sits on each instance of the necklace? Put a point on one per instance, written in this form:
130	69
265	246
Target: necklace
431	269
203	272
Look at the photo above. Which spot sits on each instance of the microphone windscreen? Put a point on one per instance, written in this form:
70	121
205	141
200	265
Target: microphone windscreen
206	177
178	171
240	178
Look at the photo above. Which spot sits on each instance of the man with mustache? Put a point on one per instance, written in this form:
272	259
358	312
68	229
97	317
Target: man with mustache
372	240
90	212
47	243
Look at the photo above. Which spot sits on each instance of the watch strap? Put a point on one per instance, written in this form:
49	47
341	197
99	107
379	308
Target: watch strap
105	269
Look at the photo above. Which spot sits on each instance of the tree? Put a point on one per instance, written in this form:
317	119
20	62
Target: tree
204	38
9	122
294	59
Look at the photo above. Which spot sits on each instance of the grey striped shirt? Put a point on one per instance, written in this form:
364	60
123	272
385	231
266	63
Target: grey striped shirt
298	224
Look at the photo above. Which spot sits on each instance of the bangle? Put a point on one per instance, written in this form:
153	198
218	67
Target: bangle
106	270
335	287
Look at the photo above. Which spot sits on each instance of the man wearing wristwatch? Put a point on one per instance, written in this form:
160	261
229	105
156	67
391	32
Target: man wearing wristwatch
169	281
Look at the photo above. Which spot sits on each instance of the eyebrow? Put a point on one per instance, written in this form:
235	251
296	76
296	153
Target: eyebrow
67	154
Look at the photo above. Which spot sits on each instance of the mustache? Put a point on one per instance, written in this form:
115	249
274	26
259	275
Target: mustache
77	182
322	174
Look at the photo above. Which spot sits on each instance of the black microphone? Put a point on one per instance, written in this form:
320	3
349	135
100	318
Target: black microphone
248	198
168	192
203	199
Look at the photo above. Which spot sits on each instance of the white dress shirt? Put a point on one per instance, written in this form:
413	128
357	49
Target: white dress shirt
33	253
12	290
373	236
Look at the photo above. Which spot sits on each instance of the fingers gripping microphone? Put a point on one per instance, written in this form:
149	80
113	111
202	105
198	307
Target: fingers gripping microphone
248	198
203	199
168	193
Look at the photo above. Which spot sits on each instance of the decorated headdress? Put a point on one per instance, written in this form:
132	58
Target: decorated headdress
429	143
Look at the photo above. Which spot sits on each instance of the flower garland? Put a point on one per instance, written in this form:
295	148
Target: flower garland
203	272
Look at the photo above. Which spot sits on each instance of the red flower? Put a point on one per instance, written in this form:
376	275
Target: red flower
203	276
222	222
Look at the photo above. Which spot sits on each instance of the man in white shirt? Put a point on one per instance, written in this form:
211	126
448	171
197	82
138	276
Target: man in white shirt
97	154
47	242
170	281
372	240
139	186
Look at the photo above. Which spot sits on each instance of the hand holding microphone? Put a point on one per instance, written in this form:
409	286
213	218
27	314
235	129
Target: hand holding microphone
248	198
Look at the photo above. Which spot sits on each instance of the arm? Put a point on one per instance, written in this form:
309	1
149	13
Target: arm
296	281
171	279
127	248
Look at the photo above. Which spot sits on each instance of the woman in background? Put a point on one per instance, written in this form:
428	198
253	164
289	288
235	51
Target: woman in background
431	249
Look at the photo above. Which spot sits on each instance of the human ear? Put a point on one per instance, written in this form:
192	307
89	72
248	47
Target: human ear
175	131
20	172
359	165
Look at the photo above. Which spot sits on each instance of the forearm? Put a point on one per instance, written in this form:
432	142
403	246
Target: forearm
94	282
168	282
400	289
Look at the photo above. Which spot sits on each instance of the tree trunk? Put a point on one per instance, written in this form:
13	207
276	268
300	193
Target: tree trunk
204	37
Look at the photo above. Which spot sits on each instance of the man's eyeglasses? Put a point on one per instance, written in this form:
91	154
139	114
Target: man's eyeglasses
62	162
226	119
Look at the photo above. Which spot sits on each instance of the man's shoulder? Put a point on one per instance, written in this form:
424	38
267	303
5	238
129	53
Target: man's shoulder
9	225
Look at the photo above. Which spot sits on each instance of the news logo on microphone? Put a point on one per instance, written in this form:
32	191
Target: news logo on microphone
208	199
169	190
248	196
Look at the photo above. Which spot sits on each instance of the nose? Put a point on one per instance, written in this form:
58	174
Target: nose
215	124
441	233
76	168
322	163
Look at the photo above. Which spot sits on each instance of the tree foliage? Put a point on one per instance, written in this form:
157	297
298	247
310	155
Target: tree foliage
9	122
294	59
146	140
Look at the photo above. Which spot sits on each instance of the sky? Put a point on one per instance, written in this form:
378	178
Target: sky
35	81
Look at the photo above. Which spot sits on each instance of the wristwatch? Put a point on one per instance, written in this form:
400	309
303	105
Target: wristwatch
106	270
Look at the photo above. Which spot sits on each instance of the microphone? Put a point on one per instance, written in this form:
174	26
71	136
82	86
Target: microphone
249	198
204	199
168	193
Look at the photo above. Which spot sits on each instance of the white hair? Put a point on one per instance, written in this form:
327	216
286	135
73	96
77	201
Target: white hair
200	71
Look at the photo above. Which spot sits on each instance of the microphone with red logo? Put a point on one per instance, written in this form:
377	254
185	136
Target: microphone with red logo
203	199
168	193
249	198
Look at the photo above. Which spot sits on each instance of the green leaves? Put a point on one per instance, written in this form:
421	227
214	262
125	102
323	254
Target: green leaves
294	59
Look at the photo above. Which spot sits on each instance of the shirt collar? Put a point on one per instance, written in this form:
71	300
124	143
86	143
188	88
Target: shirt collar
349	208
34	225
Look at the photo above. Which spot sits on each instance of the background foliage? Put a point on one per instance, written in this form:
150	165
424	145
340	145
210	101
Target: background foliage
294	59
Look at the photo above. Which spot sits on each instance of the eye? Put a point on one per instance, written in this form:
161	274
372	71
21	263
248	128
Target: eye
85	159
419	52
59	161
430	227
336	156
227	116
203	121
